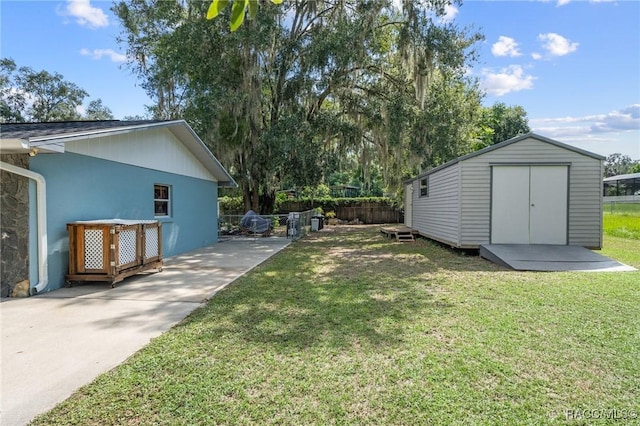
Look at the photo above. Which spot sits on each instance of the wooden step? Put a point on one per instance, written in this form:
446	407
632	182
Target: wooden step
400	233
404	237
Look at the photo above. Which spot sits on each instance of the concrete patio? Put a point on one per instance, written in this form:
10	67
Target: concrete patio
56	342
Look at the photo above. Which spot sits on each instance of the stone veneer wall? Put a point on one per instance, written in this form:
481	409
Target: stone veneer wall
14	225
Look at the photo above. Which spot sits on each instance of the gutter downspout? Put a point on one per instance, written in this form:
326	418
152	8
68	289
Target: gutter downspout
41	191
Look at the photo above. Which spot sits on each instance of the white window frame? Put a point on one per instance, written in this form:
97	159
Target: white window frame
157	200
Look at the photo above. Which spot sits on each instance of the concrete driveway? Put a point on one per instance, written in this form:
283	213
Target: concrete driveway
56	342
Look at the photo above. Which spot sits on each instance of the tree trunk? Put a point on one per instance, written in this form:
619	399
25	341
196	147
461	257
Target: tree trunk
267	202
255	205
246	196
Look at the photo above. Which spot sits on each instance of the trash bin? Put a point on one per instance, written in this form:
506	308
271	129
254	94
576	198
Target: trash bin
315	224
320	224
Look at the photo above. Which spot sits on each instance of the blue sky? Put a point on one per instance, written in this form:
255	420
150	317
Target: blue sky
573	65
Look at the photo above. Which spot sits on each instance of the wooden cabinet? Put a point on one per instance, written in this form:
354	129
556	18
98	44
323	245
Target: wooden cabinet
113	249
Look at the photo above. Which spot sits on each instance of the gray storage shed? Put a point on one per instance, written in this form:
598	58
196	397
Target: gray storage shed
526	190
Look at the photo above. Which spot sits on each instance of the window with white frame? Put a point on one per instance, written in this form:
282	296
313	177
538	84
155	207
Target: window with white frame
162	200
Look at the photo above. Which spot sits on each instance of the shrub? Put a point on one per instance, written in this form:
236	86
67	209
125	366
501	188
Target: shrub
231	205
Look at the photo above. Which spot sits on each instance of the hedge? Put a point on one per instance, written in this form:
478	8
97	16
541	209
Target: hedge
234	205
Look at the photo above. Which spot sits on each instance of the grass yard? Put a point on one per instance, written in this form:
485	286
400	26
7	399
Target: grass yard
346	327
623	221
622	234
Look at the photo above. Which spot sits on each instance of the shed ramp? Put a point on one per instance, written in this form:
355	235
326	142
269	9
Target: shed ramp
546	257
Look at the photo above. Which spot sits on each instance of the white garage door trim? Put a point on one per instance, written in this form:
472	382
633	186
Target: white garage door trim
529	204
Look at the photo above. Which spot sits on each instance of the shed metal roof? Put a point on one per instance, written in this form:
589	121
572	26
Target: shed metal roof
516	139
51	137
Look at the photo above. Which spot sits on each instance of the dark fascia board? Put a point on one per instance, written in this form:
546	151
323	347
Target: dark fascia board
516	139
180	129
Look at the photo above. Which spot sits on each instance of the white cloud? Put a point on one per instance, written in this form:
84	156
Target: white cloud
615	131
85	14
560	3
510	79
556	45
450	13
505	46
99	53
618	121
624	120
565	133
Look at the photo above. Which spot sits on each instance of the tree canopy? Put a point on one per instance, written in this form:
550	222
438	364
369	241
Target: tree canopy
29	95
98	111
499	123
309	90
620	164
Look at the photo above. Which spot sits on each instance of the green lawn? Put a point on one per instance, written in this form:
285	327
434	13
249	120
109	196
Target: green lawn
623	221
347	327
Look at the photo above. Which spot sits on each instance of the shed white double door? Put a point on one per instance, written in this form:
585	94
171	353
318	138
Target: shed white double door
529	204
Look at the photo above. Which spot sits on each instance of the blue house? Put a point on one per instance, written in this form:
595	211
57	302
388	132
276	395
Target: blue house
61	172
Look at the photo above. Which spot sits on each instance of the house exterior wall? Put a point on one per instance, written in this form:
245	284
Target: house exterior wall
437	215
585	189
81	187
155	149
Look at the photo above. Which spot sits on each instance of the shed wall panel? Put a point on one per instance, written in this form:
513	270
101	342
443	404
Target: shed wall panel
437	216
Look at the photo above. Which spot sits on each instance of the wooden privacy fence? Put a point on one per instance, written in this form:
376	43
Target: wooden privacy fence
365	211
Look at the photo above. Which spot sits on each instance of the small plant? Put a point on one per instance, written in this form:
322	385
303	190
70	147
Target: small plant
330	215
